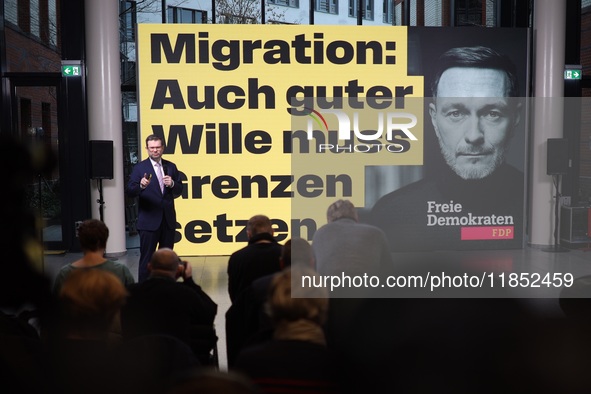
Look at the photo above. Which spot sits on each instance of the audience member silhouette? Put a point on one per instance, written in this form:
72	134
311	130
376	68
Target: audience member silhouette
150	364
575	300
163	305
297	357
82	355
259	258
24	290
296	251
344	245
212	381
93	235
23	365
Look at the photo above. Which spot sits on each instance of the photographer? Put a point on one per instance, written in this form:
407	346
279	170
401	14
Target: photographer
163	305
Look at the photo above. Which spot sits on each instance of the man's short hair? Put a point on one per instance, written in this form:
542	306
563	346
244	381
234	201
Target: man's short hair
93	235
477	57
154	137
165	259
341	209
259	224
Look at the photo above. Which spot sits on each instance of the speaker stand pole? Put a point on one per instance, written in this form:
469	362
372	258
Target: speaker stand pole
556	248
100	200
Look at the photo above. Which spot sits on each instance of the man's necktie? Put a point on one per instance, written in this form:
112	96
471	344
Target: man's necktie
160	176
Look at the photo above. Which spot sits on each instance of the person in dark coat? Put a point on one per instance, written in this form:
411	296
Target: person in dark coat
297	357
261	257
164	306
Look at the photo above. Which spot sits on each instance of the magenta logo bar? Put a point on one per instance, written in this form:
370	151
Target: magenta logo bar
487	232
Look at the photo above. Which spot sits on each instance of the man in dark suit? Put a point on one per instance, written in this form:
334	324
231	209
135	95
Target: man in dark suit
156	182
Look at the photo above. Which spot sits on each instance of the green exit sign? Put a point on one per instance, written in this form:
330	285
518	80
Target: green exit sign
573	74
71	70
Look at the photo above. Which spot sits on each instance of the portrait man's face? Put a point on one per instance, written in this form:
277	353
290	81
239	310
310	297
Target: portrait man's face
473	119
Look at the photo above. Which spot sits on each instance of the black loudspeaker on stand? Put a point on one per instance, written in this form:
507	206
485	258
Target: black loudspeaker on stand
101	167
557	165
557	157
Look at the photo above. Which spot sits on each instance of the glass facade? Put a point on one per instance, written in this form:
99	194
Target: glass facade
32	44
185	15
32	36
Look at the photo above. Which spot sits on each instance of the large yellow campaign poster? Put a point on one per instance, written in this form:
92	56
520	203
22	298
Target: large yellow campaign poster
254	115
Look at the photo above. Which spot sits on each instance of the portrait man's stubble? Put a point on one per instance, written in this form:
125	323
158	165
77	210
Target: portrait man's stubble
474	112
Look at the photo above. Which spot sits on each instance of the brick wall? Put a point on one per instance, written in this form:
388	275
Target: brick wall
26	54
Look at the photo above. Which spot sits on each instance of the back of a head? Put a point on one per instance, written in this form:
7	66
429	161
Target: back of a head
476	57
259	224
290	301
151	363
93	235
341	209
297	251
165	260
90	299
212	381
575	301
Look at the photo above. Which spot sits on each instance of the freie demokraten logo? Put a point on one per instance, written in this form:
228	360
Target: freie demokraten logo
393	132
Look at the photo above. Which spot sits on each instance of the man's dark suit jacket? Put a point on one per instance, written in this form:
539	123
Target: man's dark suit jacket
255	260
153	205
161	305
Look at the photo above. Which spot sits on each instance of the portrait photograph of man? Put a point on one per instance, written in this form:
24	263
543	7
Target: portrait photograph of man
469	193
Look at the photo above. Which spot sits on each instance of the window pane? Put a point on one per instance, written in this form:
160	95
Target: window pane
186	16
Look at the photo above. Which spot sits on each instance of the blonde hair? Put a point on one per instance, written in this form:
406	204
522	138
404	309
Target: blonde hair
90	299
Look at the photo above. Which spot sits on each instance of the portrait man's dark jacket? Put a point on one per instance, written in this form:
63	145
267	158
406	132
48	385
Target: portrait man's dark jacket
411	225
